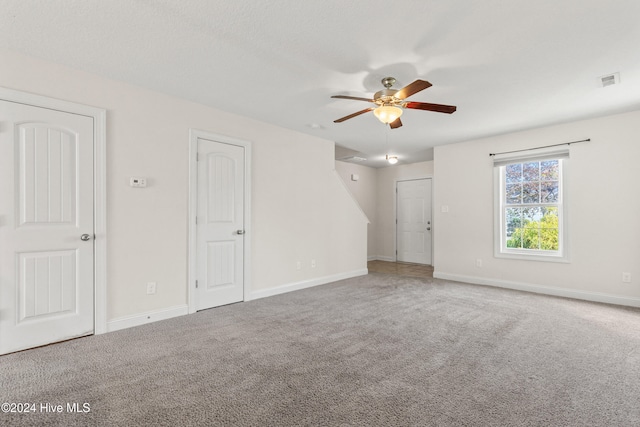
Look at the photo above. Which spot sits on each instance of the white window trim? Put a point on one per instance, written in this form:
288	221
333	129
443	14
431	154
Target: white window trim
500	251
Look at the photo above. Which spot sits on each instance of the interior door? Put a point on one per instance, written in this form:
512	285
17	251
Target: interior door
414	228
46	226
220	224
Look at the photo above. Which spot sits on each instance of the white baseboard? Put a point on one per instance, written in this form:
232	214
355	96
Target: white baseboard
181	310
382	258
305	284
148	317
541	289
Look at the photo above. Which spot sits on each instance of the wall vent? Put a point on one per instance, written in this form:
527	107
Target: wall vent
610	79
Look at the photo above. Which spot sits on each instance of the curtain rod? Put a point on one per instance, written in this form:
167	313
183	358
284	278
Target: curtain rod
538	148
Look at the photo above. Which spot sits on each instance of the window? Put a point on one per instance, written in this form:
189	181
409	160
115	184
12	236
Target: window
530	207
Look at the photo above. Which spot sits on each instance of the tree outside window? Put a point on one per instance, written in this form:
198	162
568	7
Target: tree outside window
531	208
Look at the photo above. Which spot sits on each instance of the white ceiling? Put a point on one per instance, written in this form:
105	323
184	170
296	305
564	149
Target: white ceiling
507	65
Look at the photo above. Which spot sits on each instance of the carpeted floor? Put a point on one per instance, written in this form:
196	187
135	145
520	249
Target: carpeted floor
377	350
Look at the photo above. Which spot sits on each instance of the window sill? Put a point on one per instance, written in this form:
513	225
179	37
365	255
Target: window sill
533	257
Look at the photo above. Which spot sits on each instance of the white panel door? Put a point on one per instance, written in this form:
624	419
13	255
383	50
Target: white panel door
220	224
46	206
414	221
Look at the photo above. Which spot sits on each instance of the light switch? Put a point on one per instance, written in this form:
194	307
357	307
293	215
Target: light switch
355	177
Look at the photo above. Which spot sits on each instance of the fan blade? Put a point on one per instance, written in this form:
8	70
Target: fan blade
355	98
350	116
439	108
395	124
411	89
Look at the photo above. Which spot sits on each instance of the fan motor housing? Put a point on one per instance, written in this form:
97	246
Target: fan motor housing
386	97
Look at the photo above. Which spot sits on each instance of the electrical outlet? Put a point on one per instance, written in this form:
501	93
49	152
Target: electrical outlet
478	263
151	288
313	263
626	277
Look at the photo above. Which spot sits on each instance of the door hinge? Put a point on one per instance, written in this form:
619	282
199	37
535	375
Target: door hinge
196	220
197	157
196	284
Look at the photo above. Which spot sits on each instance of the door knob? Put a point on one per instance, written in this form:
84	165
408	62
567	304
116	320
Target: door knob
85	237
240	232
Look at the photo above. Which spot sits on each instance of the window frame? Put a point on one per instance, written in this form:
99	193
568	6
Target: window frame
500	248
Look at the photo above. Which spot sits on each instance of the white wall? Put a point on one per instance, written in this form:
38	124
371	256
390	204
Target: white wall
387	178
376	194
365	191
300	209
603	201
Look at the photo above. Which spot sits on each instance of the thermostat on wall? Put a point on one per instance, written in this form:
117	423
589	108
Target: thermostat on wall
138	181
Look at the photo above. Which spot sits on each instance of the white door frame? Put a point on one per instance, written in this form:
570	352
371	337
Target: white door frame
194	134
99	117
395	215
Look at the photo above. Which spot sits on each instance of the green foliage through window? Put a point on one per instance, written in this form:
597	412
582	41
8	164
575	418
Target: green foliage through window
541	234
531	201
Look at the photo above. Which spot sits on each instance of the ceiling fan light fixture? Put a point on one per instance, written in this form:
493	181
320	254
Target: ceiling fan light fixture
387	113
390	103
392	159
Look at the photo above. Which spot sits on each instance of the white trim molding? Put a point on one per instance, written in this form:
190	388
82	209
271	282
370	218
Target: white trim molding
542	289
382	258
305	284
125	322
395	217
99	117
561	205
194	134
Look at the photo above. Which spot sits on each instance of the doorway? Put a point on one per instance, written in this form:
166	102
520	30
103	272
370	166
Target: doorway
51	210
414	228
220	220
400	269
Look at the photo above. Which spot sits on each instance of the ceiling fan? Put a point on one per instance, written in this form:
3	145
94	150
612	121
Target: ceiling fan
391	102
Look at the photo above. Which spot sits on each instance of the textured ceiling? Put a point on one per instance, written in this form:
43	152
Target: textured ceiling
506	65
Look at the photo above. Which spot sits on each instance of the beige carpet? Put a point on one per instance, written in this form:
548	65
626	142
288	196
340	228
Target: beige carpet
377	350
